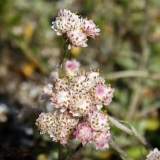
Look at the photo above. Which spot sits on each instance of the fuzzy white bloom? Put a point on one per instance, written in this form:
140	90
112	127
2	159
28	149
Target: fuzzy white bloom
66	21
58	125
90	28
77	38
154	155
99	121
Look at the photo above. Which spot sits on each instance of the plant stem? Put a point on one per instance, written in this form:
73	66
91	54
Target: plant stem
65	56
133	73
122	154
74	151
131	131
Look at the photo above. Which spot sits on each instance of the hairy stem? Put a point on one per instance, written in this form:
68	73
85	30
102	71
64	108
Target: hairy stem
65	56
122	154
74	151
131	131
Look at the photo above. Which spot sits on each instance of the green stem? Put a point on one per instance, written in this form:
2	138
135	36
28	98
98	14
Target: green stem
74	151
65	56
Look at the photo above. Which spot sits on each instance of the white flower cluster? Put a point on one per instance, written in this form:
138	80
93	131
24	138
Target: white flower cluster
78	100
75	28
154	155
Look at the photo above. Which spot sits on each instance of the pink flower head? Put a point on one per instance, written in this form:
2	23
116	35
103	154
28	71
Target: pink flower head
80	93
75	28
80	105
99	121
77	84
66	21
90	28
77	38
83	82
72	67
61	84
101	139
102	94
63	129
65	14
84	132
78	98
45	122
92	79
58	125
61	99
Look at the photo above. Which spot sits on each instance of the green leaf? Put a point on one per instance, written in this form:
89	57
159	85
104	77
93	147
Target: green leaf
136	152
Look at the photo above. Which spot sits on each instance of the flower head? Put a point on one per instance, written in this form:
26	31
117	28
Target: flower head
102	94
45	122
58	125
78	101
84	132
99	121
90	28
66	21
75	28
77	38
80	105
101	139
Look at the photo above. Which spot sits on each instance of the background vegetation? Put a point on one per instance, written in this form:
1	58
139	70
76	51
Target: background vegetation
127	53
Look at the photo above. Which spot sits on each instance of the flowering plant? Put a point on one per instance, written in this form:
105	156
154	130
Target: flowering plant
78	98
78	101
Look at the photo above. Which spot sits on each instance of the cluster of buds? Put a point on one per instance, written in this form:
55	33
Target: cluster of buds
154	155
78	101
75	28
